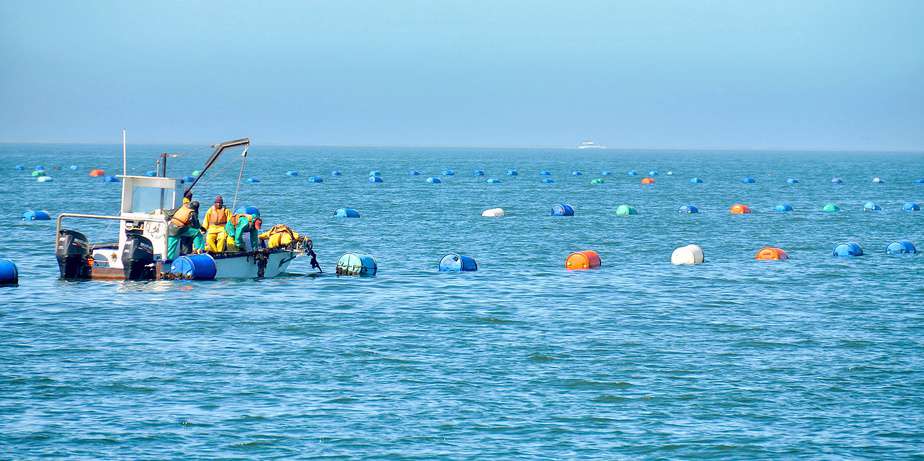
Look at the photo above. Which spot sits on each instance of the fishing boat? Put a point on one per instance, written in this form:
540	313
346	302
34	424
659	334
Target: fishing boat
141	250
590	145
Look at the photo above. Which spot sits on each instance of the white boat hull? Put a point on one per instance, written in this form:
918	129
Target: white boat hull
245	266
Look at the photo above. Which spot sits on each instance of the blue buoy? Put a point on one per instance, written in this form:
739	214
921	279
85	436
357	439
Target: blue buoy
433	180
512	173
39	168
837	181
911	206
110	179
604	173
414	173
315	179
548	180
689	209
457	263
9	274
35	215
375	179
562	209
848	249
919	181
653	173
336	173
631	173
902	247
150	173
696	181
346	213
19	168
792	181
194	267
375	173
545	173
493	181
73	167
253	180
354	264
478	173
247	209
448	173
783	208
748	180
871	206
576	173
291	173
187	179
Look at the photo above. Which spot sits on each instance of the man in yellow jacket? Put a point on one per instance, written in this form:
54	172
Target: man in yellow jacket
215	219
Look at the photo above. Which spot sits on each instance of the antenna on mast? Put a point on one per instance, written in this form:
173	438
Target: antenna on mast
124	157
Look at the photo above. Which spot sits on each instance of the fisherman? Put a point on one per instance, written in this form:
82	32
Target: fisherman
280	236
184	222
241	223
215	219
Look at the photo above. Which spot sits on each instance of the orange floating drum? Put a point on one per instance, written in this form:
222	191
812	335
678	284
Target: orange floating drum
582	260
771	254
647	180
97	172
739	209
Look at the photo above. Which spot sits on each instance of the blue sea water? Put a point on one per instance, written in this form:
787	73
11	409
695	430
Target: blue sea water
815	357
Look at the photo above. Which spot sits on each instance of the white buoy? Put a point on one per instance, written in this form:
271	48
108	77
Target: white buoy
493	213
44	179
687	256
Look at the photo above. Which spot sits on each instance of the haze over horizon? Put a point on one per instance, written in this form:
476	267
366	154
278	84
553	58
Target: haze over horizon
790	75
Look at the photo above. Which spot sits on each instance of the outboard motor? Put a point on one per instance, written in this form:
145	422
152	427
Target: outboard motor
138	257
73	252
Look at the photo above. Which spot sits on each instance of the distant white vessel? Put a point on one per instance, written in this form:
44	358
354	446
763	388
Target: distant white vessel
590	145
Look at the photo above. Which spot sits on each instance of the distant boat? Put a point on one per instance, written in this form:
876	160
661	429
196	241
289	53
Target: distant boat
590	145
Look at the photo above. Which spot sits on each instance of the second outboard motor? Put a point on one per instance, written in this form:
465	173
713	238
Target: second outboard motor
138	257
73	251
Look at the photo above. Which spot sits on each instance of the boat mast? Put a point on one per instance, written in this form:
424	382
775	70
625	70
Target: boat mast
219	148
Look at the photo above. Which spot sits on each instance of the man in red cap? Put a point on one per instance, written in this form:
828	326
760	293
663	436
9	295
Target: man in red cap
215	219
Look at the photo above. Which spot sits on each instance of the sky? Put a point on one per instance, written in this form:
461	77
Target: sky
691	74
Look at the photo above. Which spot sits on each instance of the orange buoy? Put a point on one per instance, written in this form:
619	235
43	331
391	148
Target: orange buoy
582	260
97	172
739	209
647	180
771	254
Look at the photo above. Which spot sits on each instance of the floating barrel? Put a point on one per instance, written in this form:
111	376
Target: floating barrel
109	178
315	179
196	173
187	179
449	173
73	167
414	173
478	173
696	181
631	173
352	264
576	173
739	209
9	274
433	180
792	181
877	180
150	173
604	173
771	254
194	267
837	181
336	173
38	173
689	255
648	180
493	213
688	209
653	173
831	208
39	168
911	206
783	208
582	260
596	181
625	210
35	215
871	206
848	249
748	180
512	173
919	181
493	181
548	180
44	179
346	213
375	173
562	209
19	168
902	247
375	179
253	180
458	263
291	173
248	209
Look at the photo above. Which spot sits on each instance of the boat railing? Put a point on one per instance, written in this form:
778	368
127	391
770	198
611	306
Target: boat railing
61	217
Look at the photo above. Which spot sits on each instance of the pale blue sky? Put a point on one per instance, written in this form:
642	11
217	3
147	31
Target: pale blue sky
836	74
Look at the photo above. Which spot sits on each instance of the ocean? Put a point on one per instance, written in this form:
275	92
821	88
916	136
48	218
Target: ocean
814	357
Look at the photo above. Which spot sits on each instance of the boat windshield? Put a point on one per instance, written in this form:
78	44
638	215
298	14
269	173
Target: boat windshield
149	199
